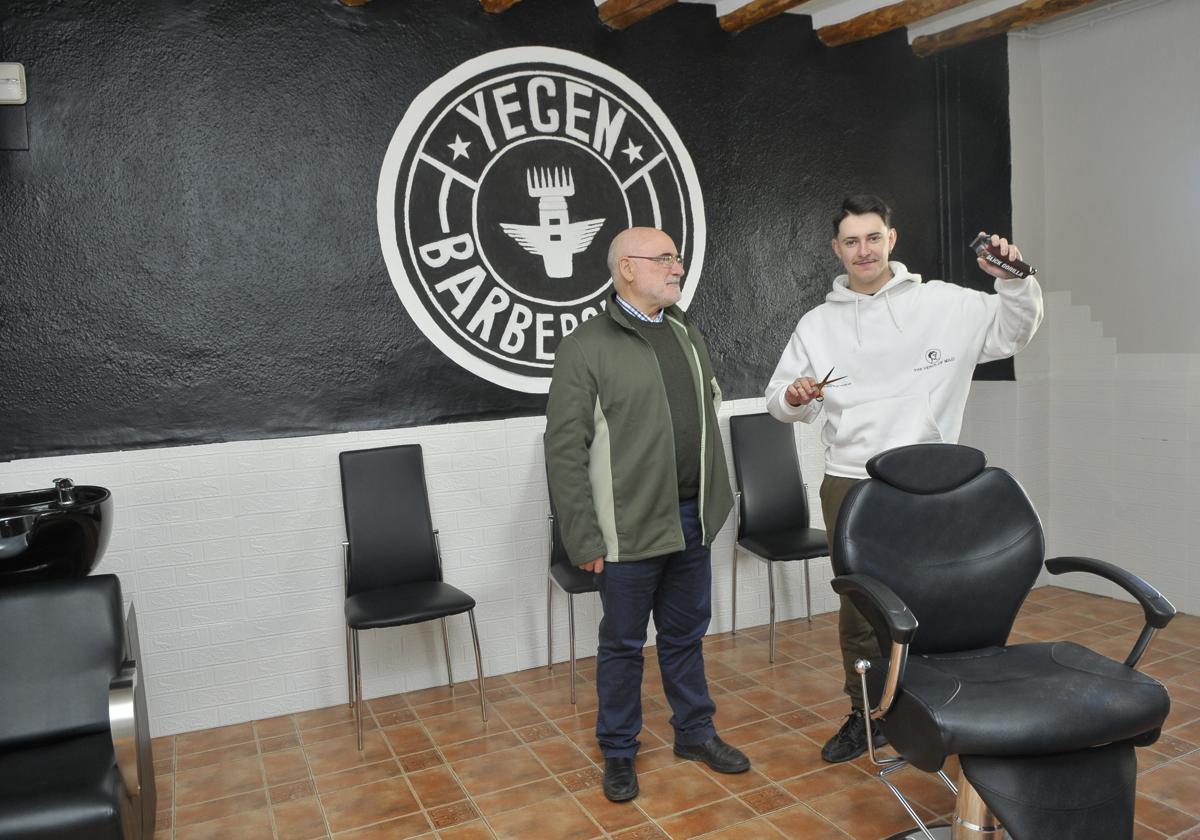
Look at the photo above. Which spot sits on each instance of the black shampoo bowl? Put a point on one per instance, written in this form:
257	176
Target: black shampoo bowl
56	533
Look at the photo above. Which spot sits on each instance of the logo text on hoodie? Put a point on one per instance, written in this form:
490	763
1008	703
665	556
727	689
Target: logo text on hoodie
501	189
933	358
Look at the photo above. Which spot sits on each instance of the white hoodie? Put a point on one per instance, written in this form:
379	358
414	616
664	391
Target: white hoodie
907	353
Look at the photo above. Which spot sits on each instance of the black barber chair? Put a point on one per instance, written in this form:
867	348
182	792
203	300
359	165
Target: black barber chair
1044	732
75	758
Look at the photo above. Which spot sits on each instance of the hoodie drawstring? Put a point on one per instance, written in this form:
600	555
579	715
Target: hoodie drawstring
857	324
887	298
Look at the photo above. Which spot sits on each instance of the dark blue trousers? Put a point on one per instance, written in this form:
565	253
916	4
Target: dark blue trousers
677	590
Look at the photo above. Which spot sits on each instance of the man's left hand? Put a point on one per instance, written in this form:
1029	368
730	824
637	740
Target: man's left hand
1007	251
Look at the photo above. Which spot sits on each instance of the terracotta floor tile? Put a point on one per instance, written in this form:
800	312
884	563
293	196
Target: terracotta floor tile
646	831
498	770
518	797
355	776
300	820
578	780
285	766
413	825
274	727
828	779
366	804
611	816
1162	817
519	712
335	730
395	717
799	821
561	819
1176	784
388	703
751	732
341	713
785	756
408	738
213	739
278	742
218	781
866	810
477	830
675	789
461	726
453	814
707	818
291	791
560	755
771	702
756	829
421	761
436	786
338	754
767	799
248	824
481	746
539	732
218	808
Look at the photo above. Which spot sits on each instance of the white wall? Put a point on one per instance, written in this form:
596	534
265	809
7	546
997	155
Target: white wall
232	554
1106	192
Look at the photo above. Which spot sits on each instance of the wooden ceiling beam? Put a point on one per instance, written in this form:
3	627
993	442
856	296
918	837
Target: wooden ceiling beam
619	14
1016	17
756	11
496	6
870	24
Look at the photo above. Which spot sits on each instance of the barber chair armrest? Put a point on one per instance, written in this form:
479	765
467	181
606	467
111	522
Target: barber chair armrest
122	718
874	597
1157	609
901	623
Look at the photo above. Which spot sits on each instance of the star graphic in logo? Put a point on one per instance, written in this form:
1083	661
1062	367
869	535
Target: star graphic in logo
634	152
459	147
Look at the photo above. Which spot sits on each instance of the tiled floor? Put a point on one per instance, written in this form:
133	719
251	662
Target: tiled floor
430	768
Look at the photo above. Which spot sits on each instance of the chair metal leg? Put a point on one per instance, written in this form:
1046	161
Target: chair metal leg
807	593
358	692
478	665
571	626
771	592
446	647
734	565
349	669
549	624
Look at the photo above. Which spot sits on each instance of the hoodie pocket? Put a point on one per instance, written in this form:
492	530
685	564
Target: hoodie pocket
871	428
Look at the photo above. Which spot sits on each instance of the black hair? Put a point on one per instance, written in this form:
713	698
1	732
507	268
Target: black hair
858	205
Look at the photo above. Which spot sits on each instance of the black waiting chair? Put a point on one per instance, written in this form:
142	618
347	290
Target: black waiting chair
570	579
75	756
772	504
393	560
1044	731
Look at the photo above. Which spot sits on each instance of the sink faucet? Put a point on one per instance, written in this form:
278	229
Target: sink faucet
66	491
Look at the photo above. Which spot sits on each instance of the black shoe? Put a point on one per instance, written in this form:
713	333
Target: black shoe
620	779
716	754
851	740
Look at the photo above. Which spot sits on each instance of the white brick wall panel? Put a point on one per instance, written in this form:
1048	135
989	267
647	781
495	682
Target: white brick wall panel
227	633
476	461
206	698
254	463
156	578
452	482
179	596
157	535
329	600
213	655
210	571
443	503
159	469
160	663
324	518
182	681
267	687
168	703
315	679
494	439
116	563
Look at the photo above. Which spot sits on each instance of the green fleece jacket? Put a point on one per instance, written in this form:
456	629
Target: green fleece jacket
610	445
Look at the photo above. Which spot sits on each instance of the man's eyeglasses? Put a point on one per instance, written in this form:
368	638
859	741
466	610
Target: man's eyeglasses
665	260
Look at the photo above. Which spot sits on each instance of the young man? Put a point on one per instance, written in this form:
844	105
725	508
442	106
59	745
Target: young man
638	478
904	352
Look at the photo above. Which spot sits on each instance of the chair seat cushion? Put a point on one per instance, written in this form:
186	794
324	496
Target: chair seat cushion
572	579
407	604
65	789
1033	699
782	546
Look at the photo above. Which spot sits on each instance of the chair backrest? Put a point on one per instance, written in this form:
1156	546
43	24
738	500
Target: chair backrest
61	644
558	551
957	540
767	471
388	524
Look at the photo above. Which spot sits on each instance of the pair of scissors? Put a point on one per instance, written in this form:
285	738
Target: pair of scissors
820	386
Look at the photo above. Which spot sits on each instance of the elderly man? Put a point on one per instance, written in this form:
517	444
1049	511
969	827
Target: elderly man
638	478
902	353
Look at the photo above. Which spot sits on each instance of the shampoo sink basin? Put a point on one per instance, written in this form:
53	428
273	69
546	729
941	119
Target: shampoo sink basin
56	533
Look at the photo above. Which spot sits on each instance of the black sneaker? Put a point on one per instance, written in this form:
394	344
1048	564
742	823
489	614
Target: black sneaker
851	740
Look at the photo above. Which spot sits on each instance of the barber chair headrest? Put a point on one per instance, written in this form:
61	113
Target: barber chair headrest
926	468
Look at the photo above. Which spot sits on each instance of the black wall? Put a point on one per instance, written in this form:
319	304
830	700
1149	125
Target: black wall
189	252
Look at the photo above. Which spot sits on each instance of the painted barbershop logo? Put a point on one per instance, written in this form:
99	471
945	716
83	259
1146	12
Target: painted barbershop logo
499	194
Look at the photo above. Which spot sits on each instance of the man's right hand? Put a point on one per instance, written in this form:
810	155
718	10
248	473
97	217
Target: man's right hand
801	392
595	566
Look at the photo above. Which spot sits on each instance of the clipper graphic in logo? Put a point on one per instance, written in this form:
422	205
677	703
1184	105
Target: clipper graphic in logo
499	194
